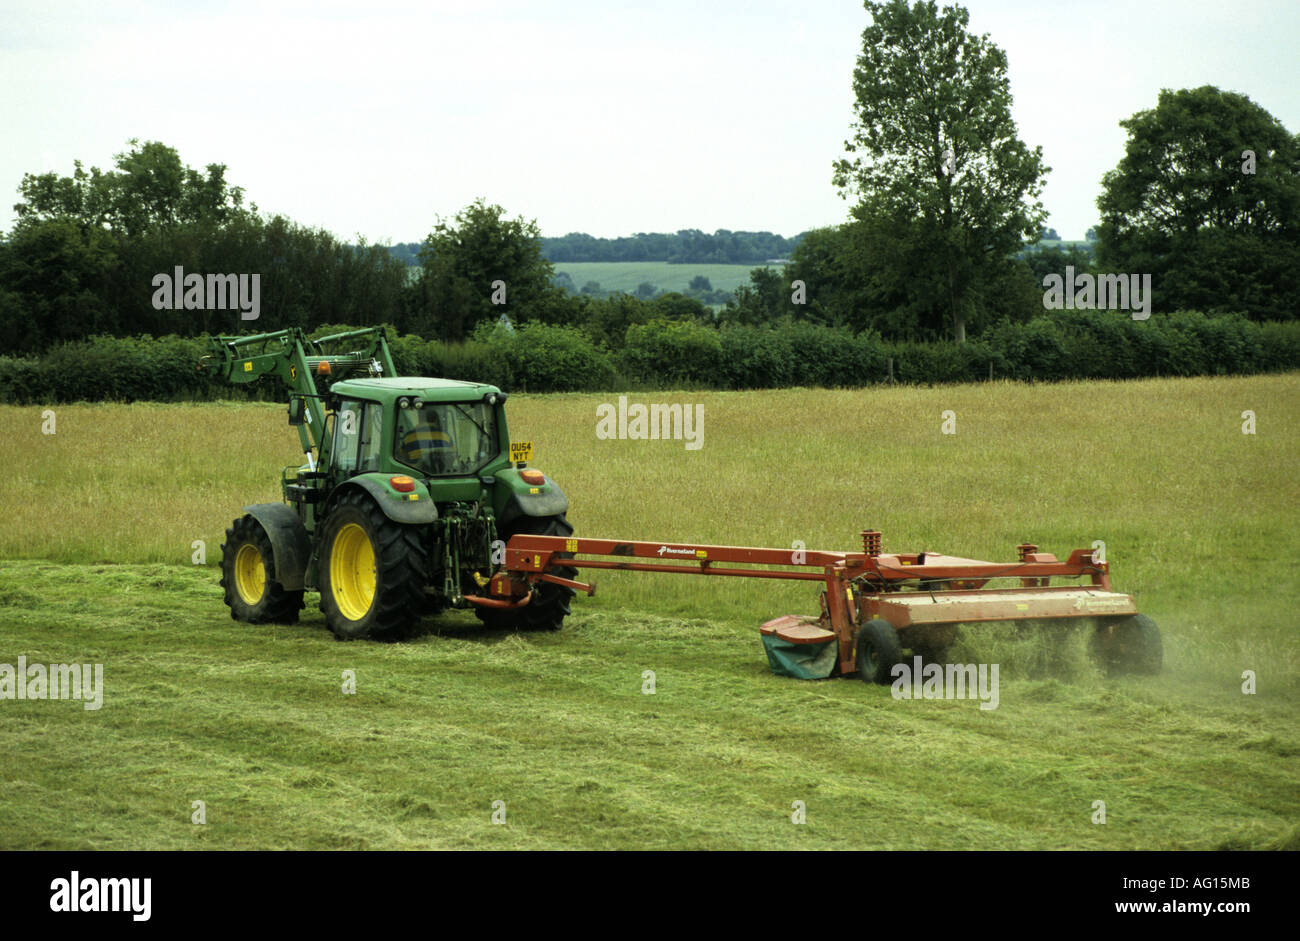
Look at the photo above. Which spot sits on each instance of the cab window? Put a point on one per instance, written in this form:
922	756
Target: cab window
446	438
372	439
347	435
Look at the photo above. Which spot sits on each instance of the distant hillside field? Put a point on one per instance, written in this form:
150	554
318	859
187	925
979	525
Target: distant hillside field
626	275
1061	243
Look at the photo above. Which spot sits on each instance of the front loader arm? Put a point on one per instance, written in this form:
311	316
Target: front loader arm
282	354
297	361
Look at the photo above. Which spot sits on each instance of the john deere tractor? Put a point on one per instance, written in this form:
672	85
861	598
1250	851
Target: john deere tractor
409	490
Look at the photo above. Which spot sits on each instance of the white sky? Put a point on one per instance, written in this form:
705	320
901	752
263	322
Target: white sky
602	117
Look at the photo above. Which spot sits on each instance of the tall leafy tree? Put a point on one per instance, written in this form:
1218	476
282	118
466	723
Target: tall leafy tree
944	183
1207	200
478	266
150	189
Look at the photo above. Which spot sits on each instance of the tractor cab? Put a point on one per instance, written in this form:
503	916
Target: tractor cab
430	429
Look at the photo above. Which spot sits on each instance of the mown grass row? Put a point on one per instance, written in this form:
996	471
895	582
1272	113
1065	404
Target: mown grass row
253	722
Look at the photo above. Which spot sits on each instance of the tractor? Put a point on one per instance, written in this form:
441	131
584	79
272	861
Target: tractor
409	492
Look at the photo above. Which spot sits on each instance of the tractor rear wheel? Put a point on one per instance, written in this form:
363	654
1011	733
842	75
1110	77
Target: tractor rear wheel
248	577
372	572
550	604
878	651
1131	645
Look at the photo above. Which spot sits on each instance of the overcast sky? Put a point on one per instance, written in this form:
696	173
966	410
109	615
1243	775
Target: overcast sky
601	117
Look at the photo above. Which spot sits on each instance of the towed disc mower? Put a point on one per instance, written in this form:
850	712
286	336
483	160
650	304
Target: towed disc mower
873	604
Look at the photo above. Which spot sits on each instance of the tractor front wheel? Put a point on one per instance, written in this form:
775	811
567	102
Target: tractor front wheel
372	572
878	651
248	577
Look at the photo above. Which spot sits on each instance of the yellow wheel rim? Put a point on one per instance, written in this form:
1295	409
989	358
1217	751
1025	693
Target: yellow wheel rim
250	574
352	572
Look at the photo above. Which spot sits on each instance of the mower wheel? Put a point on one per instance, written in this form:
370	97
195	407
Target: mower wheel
878	651
372	571
1132	645
248	577
550	604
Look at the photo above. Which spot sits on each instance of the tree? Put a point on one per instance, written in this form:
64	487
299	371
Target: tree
54	275
828	264
608	318
151	189
1207	200
765	299
673	305
1055	259
476	267
935	158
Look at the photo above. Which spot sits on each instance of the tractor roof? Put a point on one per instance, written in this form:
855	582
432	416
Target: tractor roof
438	390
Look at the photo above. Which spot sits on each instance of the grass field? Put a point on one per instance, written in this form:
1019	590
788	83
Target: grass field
1199	521
626	276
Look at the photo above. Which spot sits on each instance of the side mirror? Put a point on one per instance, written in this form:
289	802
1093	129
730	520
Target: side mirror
297	409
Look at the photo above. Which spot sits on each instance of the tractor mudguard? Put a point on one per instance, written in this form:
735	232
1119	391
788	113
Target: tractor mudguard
516	498
398	507
289	542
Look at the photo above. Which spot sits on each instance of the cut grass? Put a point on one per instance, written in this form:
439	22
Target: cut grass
1199	522
252	721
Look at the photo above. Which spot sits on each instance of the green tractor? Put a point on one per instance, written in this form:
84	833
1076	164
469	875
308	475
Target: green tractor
410	490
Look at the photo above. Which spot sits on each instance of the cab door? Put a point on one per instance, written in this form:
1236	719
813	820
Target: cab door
357	439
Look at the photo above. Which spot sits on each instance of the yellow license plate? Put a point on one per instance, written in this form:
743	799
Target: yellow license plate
521	451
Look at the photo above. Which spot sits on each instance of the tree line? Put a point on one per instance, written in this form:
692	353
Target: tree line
84	252
943	196
686	246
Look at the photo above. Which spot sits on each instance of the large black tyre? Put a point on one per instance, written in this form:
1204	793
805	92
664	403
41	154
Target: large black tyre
372	571
550	604
248	577
1131	645
877	651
